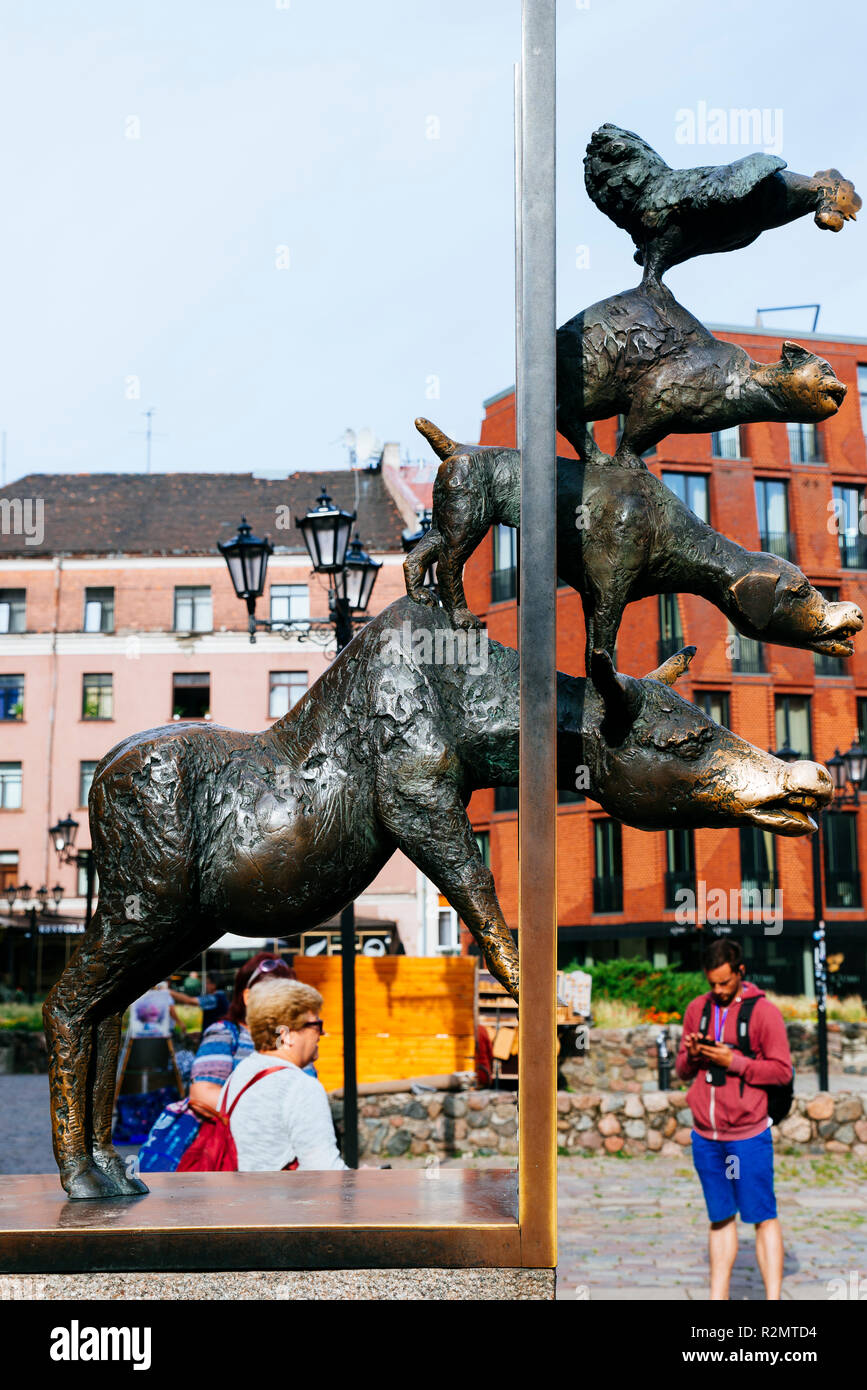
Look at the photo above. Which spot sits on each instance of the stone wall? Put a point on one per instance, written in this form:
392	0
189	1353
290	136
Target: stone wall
484	1123
22	1051
624	1059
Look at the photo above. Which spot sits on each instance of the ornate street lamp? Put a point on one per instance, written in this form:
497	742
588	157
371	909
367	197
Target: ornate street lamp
63	836
326	530
247	558
355	582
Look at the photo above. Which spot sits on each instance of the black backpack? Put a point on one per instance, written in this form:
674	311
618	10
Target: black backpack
779	1097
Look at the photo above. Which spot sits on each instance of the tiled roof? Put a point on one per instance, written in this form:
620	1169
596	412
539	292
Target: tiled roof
186	513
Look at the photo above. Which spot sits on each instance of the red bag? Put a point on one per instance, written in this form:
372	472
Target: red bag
213	1149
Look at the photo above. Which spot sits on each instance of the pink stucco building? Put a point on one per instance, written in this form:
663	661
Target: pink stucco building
117	614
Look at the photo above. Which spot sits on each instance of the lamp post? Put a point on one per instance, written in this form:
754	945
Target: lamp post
62	836
845	768
351	574
45	898
410	539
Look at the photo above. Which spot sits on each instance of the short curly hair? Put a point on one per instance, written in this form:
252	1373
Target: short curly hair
277	1004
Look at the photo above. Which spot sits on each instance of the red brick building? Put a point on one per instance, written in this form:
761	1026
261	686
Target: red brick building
770	487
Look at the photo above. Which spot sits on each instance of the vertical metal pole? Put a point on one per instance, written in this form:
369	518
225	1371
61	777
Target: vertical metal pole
820	975
88	902
343	628
537	824
350	1063
519	251
31	957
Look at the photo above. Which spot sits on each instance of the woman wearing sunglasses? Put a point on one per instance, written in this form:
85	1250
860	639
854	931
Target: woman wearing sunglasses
284	1119
228	1042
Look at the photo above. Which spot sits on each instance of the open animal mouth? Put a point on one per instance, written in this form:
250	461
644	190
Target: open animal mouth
838	642
837	392
787	815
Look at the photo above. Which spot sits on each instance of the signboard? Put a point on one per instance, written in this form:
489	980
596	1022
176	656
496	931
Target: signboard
369	941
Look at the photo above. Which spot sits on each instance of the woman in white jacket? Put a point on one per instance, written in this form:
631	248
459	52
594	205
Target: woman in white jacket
284	1119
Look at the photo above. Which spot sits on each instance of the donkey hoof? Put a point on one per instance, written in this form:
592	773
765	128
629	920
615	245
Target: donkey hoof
87	1183
114	1168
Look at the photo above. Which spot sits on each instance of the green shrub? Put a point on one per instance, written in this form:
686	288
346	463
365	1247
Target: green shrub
662	989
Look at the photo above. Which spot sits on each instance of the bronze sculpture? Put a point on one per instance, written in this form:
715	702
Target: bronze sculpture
621	535
198	829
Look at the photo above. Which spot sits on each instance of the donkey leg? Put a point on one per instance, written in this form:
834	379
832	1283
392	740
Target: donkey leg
105	1155
437	836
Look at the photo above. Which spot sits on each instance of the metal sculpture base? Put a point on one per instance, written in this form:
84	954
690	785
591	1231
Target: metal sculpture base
368	1220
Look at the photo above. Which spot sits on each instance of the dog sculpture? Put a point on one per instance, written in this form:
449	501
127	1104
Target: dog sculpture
621	535
642	355
197	829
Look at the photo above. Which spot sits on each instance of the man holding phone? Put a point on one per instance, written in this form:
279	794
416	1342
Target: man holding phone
732	1147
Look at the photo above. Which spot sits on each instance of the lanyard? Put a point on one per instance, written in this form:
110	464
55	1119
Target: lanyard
719	1027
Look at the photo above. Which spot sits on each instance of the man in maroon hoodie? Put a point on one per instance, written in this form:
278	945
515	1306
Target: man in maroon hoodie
731	1140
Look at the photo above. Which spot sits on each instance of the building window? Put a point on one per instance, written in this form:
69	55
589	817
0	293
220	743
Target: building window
861	706
773	512
567	796
191	695
85	778
12	605
849	512
505	798
747	655
691	488
99	610
830	665
862	393
97	701
842	877
11	697
289	603
805	443
792	724
726	444
715	704
670	630
483	840
10	786
608	879
504	577
285	690
8	871
193	611
758	865
679	865
448	932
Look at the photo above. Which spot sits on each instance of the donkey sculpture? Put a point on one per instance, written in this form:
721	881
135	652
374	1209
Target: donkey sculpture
197	828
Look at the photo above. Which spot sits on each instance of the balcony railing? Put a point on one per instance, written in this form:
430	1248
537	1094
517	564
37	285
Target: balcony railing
780	543
757	890
830	665
749	656
853	552
504	584
843	890
676	880
608	893
726	444
805	444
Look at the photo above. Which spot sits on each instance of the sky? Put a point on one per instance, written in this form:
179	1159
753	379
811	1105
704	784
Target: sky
273	220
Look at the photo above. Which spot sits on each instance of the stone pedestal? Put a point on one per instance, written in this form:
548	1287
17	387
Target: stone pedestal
354	1285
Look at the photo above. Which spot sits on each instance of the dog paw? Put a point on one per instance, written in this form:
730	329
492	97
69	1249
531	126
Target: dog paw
462	617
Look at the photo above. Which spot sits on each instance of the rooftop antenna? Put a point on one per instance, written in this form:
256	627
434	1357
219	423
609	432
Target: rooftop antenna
787	308
150	434
3	460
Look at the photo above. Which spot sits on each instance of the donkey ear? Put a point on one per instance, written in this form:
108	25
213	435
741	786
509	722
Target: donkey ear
794	354
673	668
621	695
755	595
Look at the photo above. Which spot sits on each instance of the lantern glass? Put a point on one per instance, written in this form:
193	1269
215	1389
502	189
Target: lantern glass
856	764
246	556
57	894
356	582
837	768
326	530
24	891
63	834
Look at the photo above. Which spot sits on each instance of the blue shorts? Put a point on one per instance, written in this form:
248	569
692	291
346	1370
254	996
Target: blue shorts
737	1175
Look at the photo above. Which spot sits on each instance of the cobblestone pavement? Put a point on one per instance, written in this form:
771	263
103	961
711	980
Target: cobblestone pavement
630	1229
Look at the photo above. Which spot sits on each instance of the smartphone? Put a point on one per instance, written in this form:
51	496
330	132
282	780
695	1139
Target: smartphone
706	1042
